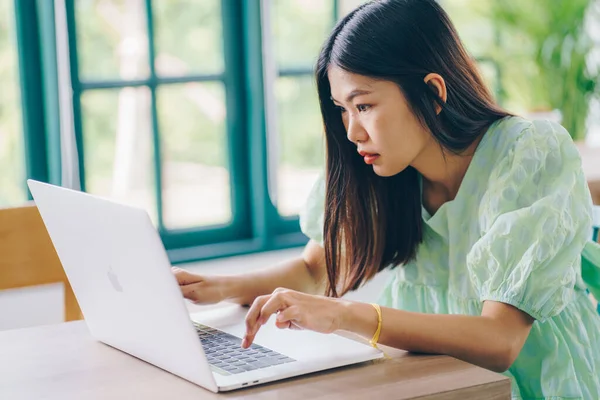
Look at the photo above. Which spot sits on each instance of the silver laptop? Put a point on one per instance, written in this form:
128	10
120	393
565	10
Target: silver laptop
121	276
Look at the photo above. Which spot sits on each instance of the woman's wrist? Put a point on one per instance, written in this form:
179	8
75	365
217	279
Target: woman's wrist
230	287
359	318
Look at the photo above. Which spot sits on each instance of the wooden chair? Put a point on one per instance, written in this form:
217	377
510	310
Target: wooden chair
28	258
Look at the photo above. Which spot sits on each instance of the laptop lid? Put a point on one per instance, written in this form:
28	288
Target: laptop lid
117	267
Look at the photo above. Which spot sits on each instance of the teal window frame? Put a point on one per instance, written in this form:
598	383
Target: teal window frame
36	49
256	225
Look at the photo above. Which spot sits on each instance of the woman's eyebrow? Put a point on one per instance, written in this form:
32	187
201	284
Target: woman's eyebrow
353	94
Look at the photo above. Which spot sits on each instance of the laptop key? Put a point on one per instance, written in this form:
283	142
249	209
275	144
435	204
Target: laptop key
273	361
259	364
234	370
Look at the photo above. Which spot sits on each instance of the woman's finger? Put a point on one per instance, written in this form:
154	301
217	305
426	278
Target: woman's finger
252	318
277	302
274	303
288	318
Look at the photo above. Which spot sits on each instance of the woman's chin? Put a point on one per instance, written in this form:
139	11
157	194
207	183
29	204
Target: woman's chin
384	172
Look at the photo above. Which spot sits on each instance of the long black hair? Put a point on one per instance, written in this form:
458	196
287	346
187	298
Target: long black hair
373	222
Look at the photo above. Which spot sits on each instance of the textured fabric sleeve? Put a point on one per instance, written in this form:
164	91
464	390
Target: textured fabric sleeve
311	216
535	219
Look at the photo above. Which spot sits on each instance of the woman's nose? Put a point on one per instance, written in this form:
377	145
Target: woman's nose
355	131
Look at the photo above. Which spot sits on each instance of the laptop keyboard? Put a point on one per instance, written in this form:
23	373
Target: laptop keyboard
226	356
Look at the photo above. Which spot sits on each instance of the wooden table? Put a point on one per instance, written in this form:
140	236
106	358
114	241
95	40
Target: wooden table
64	362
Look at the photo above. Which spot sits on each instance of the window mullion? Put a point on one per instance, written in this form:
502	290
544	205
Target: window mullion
155	128
77	89
31	89
237	142
336	11
49	74
263	211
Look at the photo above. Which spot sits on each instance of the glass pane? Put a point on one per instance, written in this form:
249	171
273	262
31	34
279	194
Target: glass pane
112	39
12	156
196	189
345	6
118	146
301	141
189	37
299	28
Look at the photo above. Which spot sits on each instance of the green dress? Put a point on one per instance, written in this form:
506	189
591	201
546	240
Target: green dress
514	234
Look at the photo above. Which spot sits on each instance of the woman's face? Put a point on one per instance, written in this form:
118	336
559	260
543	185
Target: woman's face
379	121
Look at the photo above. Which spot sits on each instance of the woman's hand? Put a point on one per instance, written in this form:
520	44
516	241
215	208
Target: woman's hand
295	310
200	289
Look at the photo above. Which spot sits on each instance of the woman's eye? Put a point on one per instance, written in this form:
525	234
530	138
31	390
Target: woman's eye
341	109
362	107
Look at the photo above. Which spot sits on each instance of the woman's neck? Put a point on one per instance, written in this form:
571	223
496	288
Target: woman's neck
443	173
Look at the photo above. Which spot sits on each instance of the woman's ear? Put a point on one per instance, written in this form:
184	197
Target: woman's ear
438	85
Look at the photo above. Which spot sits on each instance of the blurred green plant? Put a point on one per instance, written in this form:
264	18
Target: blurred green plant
558	76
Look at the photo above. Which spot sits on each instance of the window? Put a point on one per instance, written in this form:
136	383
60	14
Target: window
154	103
172	113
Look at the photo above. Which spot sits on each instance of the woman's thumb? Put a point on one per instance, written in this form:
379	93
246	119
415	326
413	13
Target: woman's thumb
184	277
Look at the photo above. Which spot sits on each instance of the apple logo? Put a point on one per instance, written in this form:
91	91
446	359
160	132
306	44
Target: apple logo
114	280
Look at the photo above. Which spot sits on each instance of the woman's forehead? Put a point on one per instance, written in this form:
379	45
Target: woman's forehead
346	84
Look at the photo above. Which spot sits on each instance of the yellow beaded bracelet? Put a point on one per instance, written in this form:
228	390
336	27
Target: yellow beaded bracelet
375	337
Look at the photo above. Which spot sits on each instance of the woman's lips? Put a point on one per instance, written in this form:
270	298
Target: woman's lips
369	157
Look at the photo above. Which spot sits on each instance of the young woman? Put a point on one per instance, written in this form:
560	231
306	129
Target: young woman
482	215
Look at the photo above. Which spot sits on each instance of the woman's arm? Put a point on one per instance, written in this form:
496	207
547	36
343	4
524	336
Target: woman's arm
492	340
304	274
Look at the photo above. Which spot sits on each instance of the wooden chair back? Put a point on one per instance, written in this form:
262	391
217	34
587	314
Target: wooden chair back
28	258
